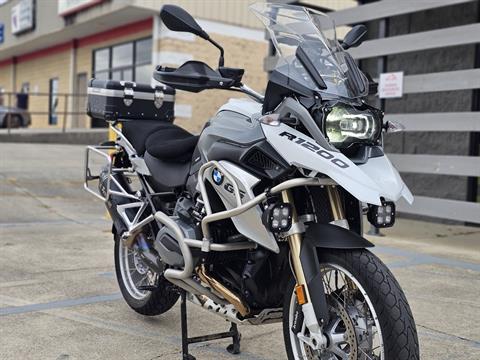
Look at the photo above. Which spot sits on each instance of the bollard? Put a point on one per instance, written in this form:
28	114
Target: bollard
374	231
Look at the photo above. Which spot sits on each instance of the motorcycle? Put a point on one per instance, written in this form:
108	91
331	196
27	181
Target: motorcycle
259	219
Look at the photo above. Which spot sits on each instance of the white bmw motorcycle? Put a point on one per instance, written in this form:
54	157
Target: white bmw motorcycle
259	218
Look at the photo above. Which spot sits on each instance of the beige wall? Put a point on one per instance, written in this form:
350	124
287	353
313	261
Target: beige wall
239	52
247	54
233	12
37	72
5	83
6	77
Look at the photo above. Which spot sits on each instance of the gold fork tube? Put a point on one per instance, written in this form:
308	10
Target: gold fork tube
335	203
295	243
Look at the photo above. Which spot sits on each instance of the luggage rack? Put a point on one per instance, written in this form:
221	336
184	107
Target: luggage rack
103	150
133	224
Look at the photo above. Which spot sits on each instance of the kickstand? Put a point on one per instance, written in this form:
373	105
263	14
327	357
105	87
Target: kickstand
233	348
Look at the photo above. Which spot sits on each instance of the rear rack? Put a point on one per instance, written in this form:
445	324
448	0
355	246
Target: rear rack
99	150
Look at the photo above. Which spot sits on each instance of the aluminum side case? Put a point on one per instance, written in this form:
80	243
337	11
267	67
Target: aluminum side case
112	100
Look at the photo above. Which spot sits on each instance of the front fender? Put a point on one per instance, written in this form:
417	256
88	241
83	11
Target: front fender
324	236
333	237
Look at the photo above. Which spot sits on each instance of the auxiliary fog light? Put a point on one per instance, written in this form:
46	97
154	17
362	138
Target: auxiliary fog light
382	216
278	217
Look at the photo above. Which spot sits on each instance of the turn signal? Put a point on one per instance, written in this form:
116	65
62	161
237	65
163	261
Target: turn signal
301	297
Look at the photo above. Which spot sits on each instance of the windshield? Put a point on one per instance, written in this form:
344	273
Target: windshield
291	27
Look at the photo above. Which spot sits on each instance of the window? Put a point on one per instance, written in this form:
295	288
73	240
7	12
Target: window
130	61
53	101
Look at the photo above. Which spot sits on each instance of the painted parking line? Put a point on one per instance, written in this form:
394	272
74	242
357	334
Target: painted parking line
54	222
20	283
415	258
162	334
59	304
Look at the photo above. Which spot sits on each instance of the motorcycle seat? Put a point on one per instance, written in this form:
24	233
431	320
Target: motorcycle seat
162	140
171	144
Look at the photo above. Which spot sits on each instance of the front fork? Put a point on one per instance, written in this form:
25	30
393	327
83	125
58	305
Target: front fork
306	267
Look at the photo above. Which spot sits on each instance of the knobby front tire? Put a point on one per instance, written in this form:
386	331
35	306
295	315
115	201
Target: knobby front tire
390	307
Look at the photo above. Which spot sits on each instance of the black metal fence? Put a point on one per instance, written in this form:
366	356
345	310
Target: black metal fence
20	109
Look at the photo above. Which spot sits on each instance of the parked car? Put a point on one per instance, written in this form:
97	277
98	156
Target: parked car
16	116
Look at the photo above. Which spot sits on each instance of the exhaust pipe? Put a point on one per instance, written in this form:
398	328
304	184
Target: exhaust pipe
229	295
183	278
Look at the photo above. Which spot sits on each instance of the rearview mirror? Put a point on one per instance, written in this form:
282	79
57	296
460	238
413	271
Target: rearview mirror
177	19
354	37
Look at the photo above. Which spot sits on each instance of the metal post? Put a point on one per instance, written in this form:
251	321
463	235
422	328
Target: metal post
183	320
374	231
9	114
65	110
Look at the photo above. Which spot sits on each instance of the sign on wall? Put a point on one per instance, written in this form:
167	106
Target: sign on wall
68	7
23	16
2	33
391	85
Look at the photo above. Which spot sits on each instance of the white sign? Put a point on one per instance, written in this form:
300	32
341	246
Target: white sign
391	85
68	7
22	16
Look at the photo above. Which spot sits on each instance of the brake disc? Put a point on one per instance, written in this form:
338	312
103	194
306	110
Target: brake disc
342	340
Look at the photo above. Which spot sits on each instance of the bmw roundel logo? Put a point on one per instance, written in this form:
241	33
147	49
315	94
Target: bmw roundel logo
217	176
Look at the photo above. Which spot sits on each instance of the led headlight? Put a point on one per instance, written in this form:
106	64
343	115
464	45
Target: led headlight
345	125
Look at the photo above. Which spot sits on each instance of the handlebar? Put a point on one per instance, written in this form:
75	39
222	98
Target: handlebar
250	92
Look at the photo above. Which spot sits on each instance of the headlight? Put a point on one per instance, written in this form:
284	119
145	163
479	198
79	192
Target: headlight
345	125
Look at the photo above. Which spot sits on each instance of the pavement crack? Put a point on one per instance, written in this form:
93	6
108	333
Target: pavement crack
26	192
165	355
474	342
458	233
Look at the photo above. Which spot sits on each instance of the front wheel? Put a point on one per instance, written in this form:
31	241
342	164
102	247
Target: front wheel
370	318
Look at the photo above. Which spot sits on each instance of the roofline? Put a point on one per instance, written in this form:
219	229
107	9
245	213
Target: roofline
131	28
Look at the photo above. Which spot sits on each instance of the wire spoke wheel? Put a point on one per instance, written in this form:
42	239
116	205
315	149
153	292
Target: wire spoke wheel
145	291
353	332
134	272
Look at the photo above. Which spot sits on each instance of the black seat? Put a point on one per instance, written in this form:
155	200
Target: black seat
137	132
166	148
162	140
172	144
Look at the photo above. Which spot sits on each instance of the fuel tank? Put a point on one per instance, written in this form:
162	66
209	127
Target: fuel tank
234	134
236	140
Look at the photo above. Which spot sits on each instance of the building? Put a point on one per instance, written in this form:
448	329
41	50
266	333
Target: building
51	48
436	44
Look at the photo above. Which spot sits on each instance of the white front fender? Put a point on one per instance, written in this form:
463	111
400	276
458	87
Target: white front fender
368	182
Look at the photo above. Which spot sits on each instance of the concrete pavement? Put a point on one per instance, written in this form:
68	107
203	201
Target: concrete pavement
59	298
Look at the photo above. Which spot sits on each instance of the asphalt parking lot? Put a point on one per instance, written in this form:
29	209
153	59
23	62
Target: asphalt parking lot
59	298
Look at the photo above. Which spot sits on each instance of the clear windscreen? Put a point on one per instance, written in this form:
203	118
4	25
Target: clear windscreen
292	26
